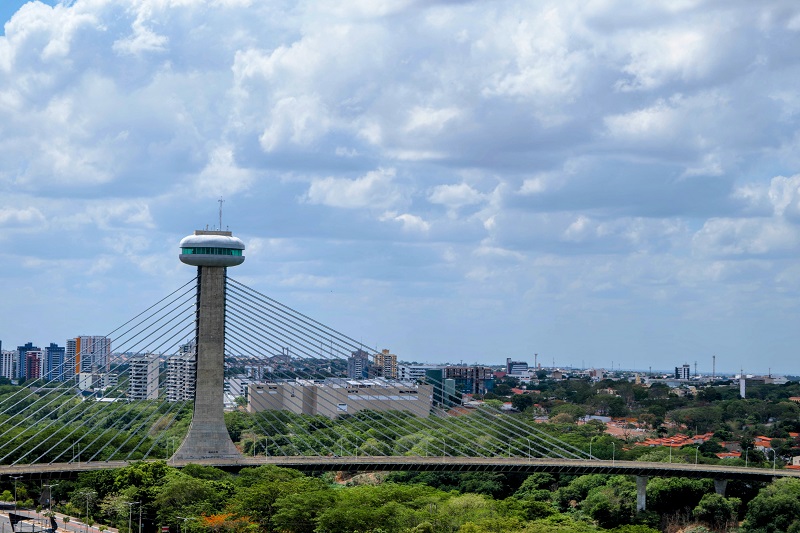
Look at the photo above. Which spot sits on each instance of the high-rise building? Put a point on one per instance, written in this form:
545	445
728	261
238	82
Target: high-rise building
386	364
143	377
8	360
358	365
181	377
54	363
89	354
682	372
34	363
22	364
71	369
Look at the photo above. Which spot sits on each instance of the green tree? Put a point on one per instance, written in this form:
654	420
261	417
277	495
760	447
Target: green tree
612	504
676	494
775	509
717	511
577	490
298	512
520	402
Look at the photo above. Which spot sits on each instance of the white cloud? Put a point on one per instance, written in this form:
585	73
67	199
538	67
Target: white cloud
15	217
221	176
784	193
110	214
661	56
455	196
431	120
142	40
297	120
735	237
657	121
409	222
374	190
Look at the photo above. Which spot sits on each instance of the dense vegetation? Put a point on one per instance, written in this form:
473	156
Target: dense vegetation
267	498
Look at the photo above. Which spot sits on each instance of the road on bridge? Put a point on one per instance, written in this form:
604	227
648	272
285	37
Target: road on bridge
440	464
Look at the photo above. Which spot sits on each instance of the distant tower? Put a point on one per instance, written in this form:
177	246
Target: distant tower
742	383
713	367
211	252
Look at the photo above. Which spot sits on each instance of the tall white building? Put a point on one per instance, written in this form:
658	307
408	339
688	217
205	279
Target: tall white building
143	377
88	354
181	377
7	359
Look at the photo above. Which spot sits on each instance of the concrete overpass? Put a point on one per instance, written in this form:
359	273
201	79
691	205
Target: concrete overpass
641	470
435	464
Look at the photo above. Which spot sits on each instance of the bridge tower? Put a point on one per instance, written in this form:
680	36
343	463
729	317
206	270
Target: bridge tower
212	252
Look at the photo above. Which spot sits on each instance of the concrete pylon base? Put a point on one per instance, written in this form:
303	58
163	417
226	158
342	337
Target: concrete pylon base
206	443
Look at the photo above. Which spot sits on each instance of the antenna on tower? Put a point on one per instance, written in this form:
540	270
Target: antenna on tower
695	368
221	201
713	367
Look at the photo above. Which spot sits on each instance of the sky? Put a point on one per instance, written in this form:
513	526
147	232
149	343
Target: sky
598	182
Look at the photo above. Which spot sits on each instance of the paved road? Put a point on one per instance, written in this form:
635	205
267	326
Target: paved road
39	522
441	464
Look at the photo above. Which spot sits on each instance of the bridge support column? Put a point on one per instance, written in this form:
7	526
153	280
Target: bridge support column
720	485
641	493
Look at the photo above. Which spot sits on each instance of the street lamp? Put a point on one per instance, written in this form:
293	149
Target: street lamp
696	454
50	498
745	456
184	523
88	494
130	515
590	447
614	452
15	491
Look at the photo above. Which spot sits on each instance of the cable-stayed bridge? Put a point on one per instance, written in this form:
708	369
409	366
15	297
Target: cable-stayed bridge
132	409
51	421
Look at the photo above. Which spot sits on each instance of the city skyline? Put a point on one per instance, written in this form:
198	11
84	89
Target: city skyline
452	181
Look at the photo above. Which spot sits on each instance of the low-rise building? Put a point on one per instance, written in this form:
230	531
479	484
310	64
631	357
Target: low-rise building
335	397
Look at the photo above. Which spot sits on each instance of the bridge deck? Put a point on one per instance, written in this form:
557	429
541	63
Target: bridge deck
440	464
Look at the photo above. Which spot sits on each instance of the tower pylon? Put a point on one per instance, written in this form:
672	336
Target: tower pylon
212	252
